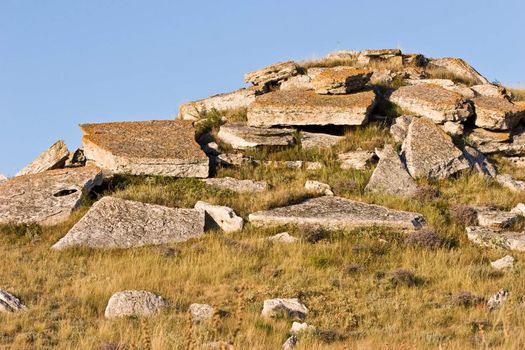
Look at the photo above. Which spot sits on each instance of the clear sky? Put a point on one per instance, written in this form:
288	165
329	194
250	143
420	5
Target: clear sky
65	62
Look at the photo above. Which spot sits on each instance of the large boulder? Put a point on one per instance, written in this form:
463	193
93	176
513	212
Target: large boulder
489	142
158	147
220	217
272	74
490	90
284	308
314	140
445	84
114	223
488	237
399	127
46	198
134	303
391	176
335	213
430	152
302	107
434	102
54	157
241	136
10	303
496	113
235	185
459	68
490	217
340	80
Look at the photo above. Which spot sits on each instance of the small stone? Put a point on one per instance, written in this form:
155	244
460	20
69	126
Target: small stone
506	180
53	158
312	140
287	164
130	303
240	136
478	162
233	160
222	217
496	113
10	303
497	299
506	262
298	82
400	126
454	129
488	217
284	308
235	185
283	237
460	68
272	74
488	237
340	80
298	328
358	160
490	90
319	187
290	343
201	312
519	209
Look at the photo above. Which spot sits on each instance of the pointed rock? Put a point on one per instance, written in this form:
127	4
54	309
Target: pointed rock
134	303
459	68
478	162
54	157
218	216
240	136
399	127
488	237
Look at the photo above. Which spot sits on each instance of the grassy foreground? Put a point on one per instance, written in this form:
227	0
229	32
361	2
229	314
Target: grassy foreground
366	289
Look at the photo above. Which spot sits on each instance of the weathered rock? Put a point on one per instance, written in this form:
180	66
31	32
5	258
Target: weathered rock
335	213
159	147
392	57
201	312
240	136
478	162
342	55
445	84
232	160
134	303
298	82
273	73
302	107
10	303
488	237
222	217
453	128
76	159
311	140
391	176
460	68
519	209
290	343
506	180
281	308
400	126
430	152
283	237
340	80
301	328
117	223
507	262
490	142
46	198
496	113
54	157
319	187
490	90
434	102
358	160
488	217
313	165
497	299
382	76
236	185
238	99
286	164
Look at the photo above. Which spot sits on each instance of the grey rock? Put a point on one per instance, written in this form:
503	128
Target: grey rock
445	84
290	343
358	160
478	162
235	185
232	160
222	217
290	308
201	312
10	303
391	176
318	187
46	198
459	68
497	299
273	73
490	142
490	90
134	303
399	128
53	158
496	113
335	213
506	262
506	180
117	223
488	217
430	152
488	237
301	328
240	136
312	140
283	237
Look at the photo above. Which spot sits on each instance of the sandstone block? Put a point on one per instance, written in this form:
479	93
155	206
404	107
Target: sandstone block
507	262
311	140
340	80
54	157
496	113
400	126
240	136
460	68
445	84
488	217
318	187
490	90
273	73
358	160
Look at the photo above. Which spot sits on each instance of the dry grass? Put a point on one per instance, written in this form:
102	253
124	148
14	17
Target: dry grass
518	94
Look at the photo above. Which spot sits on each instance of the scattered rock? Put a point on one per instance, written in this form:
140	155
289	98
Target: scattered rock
310	140
233	160
46	198
284	308
478	162
445	84
400	126
303	328
491	238
460	68
10	303
318	187
290	343
430	152
76	159
490	90
130	303
283	237
434	102
497	299
519	209
355	159
506	262
391	176
117	223
334	213
201	312
488	217
496	113
489	142
506	180
272	74
300	107
240	136
235	185
452	128
54	157
159	147
222	217
340	80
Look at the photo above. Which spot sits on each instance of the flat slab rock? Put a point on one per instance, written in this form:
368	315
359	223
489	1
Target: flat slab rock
157	147
241	136
430	152
284	308
496	113
52	158
46	198
488	237
489	217
434	102
460	68
273	73
340	80
220	217
506	180
358	160
301	107
336	213
235	185
10	303
134	303
117	223
445	84
313	140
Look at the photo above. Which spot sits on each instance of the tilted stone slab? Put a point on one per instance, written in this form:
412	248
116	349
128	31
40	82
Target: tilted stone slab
236	185
134	303
273	73
445	84
10	303
46	198
430	152
220	217
490	90
478	162
312	140
303	107
459	68
114	223
399	127
157	147
489	142
495	113
336	213
358	160
434	102
487	237
52	158
340	80
241	136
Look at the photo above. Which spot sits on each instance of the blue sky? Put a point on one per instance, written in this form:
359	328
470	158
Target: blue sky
77	61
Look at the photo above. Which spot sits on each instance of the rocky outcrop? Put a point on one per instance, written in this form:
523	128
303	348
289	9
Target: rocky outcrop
313	140
497	113
391	176
430	152
340	80
488	237
459	68
358	160
53	158
240	136
134	303
159	147
220	217
235	185
490	90
318	187
76	159
434	102
272	74
445	84
390	57
335	213
10	303
284	308
490	142
114	223
300	107
46	198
